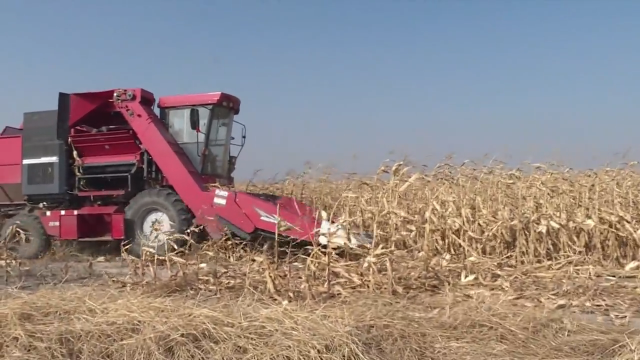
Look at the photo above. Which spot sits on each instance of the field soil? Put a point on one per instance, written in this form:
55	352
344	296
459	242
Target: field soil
111	308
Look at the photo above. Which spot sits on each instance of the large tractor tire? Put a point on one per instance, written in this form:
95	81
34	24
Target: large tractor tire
24	237
156	221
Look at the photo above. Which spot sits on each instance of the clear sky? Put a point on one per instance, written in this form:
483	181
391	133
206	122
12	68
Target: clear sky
344	83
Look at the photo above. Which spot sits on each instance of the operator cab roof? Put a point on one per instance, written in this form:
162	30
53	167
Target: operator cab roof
215	98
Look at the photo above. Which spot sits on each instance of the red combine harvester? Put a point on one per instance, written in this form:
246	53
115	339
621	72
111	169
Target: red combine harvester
103	166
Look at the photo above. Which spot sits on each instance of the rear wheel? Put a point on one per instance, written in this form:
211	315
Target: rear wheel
25	237
156	221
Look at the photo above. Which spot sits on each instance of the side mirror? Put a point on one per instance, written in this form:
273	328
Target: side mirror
194	118
232	164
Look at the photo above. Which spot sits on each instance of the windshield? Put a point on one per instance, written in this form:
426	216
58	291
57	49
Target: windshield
216	156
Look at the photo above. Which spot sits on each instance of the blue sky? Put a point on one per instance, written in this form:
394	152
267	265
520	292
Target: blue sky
344	83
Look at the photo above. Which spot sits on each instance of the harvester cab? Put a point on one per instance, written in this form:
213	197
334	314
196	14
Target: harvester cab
202	124
104	166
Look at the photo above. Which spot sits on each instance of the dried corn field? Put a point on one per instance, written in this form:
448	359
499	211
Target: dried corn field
482	263
539	213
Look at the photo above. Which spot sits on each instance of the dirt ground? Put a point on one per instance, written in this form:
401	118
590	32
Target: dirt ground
105	307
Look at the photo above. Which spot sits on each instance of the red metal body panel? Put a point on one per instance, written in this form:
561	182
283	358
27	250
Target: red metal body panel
88	223
200	99
11	159
301	218
11	169
99	104
107	147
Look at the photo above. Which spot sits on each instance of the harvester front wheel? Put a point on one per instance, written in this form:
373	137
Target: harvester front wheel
24	237
156	221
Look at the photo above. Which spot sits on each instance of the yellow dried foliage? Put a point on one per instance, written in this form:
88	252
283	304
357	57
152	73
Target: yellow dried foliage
538	213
